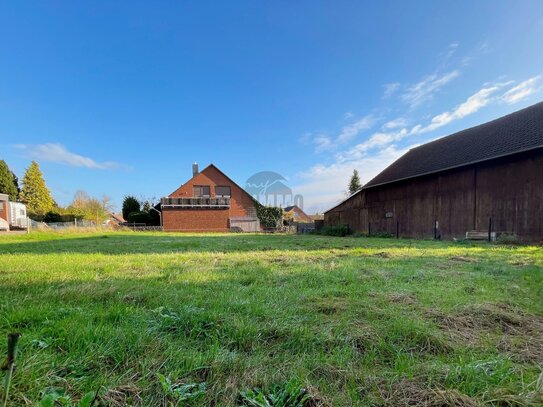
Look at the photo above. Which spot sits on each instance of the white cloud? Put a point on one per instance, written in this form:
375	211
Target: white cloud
427	88
472	104
327	143
321	185
57	153
322	143
390	89
523	90
376	140
396	130
350	131
394	124
348	115
452	49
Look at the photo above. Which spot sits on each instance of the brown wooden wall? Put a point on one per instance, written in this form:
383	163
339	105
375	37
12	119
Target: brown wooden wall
508	190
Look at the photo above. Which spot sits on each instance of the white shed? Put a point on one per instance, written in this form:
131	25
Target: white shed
17	215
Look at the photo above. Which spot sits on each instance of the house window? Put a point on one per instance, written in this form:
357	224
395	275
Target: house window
222	191
201	191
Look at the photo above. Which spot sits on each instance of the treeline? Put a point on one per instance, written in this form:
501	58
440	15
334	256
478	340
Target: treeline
39	201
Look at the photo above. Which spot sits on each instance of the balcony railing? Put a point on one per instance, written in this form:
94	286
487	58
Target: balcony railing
196	202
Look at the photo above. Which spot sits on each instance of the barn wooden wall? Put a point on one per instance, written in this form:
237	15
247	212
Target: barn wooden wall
508	190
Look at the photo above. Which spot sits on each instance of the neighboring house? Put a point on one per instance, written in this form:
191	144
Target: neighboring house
4	202
114	219
297	214
489	177
12	214
209	202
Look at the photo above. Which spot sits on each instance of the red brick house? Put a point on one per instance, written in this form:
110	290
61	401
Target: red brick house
209	202
298	215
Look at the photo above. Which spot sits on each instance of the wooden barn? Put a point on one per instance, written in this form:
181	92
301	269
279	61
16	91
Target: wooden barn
488	178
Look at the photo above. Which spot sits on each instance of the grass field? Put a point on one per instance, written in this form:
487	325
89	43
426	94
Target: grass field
165	319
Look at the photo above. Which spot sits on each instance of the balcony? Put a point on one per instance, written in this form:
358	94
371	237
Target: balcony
196	202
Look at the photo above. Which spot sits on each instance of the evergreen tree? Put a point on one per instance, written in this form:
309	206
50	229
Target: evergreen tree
16	183
354	184
7	181
34	193
130	205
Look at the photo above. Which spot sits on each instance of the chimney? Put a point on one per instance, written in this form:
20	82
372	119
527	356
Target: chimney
194	169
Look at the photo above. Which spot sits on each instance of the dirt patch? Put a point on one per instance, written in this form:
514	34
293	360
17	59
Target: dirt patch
317	399
402	298
383	255
125	395
462	259
522	263
413	393
514	332
329	305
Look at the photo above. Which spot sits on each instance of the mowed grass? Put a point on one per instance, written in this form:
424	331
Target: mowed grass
175	319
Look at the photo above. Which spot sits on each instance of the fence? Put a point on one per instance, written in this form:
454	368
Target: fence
141	227
77	224
62	225
304	227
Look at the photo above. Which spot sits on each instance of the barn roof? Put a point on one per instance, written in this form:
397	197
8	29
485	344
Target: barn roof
514	133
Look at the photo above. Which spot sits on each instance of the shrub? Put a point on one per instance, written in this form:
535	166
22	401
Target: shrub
381	234
338	230
269	216
55	217
508	239
52	217
140	217
130	205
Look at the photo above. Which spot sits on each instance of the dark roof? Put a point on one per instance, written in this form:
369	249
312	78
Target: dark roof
514	133
289	208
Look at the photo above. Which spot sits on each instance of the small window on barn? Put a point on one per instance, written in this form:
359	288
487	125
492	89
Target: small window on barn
202	191
222	191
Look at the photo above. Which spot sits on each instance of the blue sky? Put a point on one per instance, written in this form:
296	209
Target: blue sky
121	98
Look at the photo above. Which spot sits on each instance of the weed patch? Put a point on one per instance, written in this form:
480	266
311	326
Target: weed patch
415	393
511	330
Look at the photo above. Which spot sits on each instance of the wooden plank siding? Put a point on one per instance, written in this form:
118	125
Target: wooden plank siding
509	190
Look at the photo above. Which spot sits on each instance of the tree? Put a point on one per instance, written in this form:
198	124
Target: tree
130	204
354	184
8	182
86	207
16	183
35	193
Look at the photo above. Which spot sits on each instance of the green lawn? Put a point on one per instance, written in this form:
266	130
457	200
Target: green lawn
174	319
